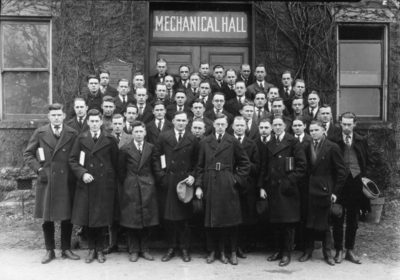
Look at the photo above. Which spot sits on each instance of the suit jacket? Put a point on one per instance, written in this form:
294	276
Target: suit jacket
147	115
125	138
209	125
215	87
179	84
93	101
307	112
334	133
249	80
191	95
229	93
254	88
74	123
233	107
153	81
152	132
167	101
208	105
119	105
283	94
210	114
265	114
172	109
253	133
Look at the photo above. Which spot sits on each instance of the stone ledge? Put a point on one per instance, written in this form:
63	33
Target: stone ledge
21	124
374	125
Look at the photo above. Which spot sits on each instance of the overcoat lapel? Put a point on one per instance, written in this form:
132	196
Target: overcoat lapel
171	139
246	143
145	154
213	143
87	140
48	137
133	152
185	141
64	138
225	143
282	145
321	154
101	142
253	130
124	139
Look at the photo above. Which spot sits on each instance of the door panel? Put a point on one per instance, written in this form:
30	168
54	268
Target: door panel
229	57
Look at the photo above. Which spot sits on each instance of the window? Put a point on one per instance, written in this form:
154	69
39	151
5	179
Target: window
363	71
25	69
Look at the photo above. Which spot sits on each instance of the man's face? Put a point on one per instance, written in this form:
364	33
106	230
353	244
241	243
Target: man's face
278	126
180	121
260	100
240	89
159	112
123	88
247	112
161	67
141	96
277	107
184	73
161	91
104	79
56	117
218	101
265	129
313	100
180	98
316	132
260	73
198	109
118	125
108	108
298	127
204	69
138	133
138	81
230	78
273	93
219	74
94	123
297	105
194	81
325	114
80	108
198	129
220	125
245	71
130	114
287	80
205	89
299	89
239	127
169	82
93	85
347	125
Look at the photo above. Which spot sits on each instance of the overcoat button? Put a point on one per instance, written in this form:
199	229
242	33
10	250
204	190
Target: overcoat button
280	156
91	165
62	171
172	161
63	150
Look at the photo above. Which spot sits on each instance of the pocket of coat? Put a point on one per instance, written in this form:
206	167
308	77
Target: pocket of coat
43	177
287	187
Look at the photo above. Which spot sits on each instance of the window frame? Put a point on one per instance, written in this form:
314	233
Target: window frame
3	70
384	70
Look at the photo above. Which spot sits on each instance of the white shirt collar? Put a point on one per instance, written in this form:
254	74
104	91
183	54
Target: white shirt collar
137	144
260	83
177	133
345	135
241	137
215	110
217	134
60	129
122	97
97	133
281	136
301	136
268	138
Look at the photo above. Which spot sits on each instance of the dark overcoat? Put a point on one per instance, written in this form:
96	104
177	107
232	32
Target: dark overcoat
137	186
94	202
326	177
181	160
56	183
281	185
152	132
219	188
303	184
74	123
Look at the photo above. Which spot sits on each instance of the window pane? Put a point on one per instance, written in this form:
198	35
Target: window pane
26	92
354	32
25	45
360	64
360	101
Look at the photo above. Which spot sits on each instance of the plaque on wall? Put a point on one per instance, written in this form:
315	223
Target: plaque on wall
119	69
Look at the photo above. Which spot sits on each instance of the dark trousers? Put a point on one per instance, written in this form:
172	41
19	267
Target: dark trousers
113	232
351	213
178	233
247	236
217	236
138	239
325	236
284	238
96	238
66	232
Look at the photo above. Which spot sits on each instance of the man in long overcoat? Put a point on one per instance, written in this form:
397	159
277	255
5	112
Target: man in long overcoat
222	172
137	192
176	153
94	161
282	167
327	173
46	155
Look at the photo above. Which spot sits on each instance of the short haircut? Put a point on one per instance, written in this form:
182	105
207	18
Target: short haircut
314	92
94	112
197	100
238	118
194	74
204	63
218	66
160	84
123	80
326	106
273	88
145	89
245	64
180	89
287	72
230	70
219	93
184	65
349	115
79	99
258	92
177	113
108	98
138	74
205	82
319	123
55	106
104	71
138	123
276	99
158	102
299	118
261	65
298	98
132	105
92	76
299	81
161	60
263	120
198	120
240	82
278	117
221	116
171	77
117	116
247	103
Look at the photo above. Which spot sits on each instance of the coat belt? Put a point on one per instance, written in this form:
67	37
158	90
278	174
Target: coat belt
219	167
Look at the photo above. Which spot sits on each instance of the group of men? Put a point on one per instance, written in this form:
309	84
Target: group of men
118	160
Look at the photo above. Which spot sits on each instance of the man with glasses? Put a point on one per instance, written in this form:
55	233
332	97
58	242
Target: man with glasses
218	102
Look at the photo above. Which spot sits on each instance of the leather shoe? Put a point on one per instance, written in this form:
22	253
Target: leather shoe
67	254
338	256
240	253
305	257
91	256
147	256
100	257
169	255
211	257
49	256
233	260
186	256
275	257
328	258
284	261
110	249
350	256
223	259
133	257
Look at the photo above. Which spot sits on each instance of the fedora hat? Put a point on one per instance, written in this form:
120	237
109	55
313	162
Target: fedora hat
185	192
262	210
336	210
370	189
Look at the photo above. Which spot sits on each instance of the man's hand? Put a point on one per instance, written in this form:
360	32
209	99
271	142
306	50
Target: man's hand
190	180
333	198
87	178
263	194
199	193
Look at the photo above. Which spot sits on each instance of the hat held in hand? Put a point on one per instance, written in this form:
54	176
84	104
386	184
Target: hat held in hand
370	189
184	191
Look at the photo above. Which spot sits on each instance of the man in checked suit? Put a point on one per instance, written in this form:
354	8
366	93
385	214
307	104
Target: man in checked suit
159	125
260	84
79	121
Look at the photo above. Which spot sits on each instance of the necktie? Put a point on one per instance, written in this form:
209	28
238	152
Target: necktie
264	140
161	78
140	148
103	89
262	86
219	138
118	137
240	140
219	83
124	100
81	120
245	81
231	87
57	131
169	93
203	100
287	92
247	128
324	125
218	111
240	100
315	145
180	108
129	128
278	140
140	111
180	137
259	114
159	126
95	137
348	140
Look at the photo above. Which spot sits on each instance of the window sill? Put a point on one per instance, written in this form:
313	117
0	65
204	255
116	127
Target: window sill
21	124
371	125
